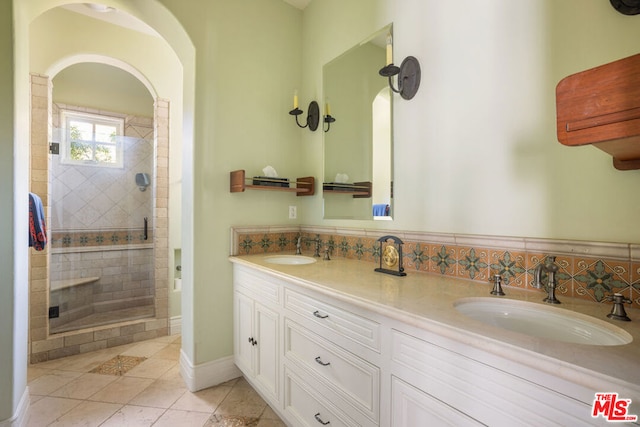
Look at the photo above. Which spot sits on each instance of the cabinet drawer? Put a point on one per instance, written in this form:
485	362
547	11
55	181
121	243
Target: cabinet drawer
412	407
483	392
353	379
304	406
333	319
260	287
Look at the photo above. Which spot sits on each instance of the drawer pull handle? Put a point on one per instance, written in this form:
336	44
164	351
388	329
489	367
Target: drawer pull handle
321	362
318	419
252	341
320	316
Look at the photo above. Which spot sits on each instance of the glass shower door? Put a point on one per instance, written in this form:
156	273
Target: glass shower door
102	201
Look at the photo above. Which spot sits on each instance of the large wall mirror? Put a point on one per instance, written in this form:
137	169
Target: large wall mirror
358	146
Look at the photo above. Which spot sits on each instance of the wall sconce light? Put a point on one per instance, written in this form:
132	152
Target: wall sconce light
408	77
328	118
408	73
313	113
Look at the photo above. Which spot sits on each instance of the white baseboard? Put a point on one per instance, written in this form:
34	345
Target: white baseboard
207	374
175	325
21	416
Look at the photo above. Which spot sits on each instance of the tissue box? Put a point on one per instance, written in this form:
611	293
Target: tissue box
270	182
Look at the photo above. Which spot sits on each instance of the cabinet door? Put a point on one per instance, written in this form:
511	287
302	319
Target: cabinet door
266	335
243	333
411	407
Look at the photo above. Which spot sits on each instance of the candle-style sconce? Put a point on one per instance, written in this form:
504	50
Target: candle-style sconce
328	119
313	115
408	76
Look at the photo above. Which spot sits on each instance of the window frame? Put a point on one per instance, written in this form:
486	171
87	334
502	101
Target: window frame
94	119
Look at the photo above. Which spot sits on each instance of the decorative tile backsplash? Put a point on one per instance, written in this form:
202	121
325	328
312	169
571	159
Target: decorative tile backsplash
75	239
587	277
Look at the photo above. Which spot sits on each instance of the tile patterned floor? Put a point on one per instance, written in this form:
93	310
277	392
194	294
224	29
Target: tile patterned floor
65	392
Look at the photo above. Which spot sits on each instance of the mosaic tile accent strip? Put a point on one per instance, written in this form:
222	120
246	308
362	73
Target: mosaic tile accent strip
232	421
75	239
579	276
119	365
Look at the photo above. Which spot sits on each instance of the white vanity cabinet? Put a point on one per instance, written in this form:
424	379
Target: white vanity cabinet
257	331
334	352
438	379
322	358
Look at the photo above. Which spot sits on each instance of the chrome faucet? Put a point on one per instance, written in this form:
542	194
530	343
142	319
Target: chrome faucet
299	245
551	268
317	241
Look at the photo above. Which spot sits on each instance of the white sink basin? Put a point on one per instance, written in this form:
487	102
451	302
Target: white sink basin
289	259
543	321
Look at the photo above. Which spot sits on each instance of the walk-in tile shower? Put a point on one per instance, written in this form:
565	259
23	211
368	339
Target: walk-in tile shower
101	226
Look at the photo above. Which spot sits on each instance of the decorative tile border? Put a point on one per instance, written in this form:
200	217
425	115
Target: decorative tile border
75	239
588	270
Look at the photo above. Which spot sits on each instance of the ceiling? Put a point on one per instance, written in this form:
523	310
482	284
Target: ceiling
300	4
112	16
116	17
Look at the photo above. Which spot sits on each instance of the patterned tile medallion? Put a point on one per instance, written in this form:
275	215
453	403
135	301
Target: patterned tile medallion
509	265
119	365
598	279
443	260
472	263
416	256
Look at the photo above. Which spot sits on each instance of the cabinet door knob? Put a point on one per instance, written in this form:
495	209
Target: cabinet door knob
318	419
320	316
321	362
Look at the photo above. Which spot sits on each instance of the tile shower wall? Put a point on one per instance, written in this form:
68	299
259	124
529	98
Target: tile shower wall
89	198
609	268
125	281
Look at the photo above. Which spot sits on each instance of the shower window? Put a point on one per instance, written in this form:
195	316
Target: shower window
91	139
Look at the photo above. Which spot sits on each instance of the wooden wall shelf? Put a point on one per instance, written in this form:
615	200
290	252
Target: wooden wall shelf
238	183
601	106
359	190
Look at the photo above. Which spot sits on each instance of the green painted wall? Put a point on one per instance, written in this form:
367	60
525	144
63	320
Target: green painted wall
476	149
103	87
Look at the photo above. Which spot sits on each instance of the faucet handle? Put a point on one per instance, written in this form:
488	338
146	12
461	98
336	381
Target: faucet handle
617	311
497	287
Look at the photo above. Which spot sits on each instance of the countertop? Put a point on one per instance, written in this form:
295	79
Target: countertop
427	300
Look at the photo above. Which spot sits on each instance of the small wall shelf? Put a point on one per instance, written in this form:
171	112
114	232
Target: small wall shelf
305	186
359	190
